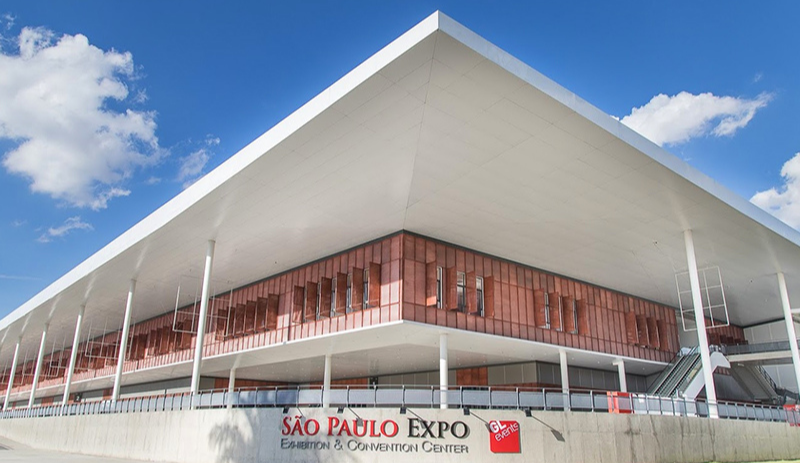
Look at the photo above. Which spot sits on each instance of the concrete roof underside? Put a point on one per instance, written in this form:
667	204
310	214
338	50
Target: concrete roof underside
443	134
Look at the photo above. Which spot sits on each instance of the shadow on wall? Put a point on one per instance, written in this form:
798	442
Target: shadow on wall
254	435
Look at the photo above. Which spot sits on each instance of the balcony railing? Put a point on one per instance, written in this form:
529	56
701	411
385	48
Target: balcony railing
478	397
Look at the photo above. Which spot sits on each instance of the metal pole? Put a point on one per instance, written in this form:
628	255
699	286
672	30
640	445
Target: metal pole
123	343
702	337
443	371
73	355
201	324
38	370
11	375
787	315
326	383
623	380
562	356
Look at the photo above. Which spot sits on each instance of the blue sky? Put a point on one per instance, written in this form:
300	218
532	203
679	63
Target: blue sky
109	109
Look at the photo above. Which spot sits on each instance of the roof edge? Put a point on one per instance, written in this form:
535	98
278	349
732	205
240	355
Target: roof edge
626	134
230	167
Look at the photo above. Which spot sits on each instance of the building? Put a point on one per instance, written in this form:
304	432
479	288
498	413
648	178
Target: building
443	215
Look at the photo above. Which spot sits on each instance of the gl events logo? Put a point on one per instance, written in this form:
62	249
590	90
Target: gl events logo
504	436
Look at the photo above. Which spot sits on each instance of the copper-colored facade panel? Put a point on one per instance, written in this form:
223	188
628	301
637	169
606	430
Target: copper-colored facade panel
357	296
451	288
430	284
325	297
374	285
556	313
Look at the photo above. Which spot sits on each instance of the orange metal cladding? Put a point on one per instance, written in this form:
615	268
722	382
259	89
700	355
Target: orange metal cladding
515	304
400	273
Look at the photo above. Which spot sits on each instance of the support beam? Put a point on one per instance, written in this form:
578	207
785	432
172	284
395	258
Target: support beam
123	343
12	374
623	380
790	331
562	357
443	371
73	355
201	323
231	386
38	369
700	320
326	383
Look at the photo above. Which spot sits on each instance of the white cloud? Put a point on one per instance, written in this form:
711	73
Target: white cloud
8	20
18	277
71	144
783	202
671	120
192	165
72	223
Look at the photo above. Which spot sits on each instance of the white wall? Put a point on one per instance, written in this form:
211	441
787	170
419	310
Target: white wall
254	435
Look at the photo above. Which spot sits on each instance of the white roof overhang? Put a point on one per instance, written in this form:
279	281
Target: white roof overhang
443	134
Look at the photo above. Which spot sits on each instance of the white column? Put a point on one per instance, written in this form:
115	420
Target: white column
787	315
38	369
201	324
562	357
443	371
73	355
623	380
326	383
123	343
12	374
699	315
231	386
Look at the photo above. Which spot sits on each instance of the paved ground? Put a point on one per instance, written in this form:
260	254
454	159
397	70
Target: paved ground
12	452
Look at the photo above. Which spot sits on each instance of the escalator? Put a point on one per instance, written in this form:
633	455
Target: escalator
675	372
683	376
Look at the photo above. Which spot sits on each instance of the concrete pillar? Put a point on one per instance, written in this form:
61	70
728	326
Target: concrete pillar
443	371
790	331
123	343
699	315
623	380
562	357
326	383
12	374
73	355
231	386
201	324
38	369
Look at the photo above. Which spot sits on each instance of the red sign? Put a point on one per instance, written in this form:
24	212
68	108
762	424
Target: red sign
504	436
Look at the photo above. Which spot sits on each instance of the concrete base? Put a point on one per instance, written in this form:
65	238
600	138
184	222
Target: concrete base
258	435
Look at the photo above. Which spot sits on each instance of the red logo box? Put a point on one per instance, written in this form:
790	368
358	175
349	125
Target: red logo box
504	436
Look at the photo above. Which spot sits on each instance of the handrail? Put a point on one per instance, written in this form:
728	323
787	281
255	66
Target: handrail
390	396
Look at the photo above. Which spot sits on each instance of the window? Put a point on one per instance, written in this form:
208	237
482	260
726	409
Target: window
332	308
574	317
366	288
319	298
547	310
479	287
439	287
461	291
349	298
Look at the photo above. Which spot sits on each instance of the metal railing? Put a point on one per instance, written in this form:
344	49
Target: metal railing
758	348
477	397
